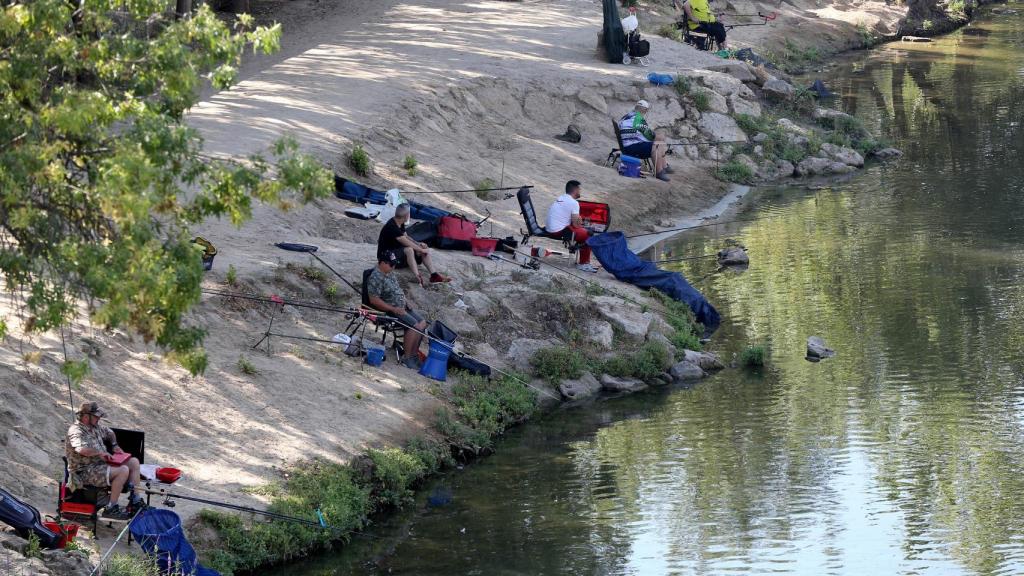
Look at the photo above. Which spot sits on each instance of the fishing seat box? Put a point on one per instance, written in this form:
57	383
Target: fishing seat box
85	502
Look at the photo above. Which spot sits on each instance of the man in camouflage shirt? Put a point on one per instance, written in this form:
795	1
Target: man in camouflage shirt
86	449
386	295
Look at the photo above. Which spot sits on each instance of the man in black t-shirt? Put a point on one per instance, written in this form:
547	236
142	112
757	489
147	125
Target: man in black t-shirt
410	253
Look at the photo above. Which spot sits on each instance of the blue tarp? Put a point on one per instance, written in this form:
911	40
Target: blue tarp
160	535
356	192
611	250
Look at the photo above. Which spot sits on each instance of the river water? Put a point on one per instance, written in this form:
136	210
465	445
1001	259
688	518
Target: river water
901	455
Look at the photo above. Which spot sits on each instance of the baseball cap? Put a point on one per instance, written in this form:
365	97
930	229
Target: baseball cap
91	408
388	256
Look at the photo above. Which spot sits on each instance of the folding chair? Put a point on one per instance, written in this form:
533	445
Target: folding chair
616	153
387	326
699	40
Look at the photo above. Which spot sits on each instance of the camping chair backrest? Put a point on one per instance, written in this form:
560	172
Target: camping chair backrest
529	214
618	132
364	289
132	442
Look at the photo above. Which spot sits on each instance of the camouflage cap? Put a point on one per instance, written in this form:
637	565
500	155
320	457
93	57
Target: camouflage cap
91	408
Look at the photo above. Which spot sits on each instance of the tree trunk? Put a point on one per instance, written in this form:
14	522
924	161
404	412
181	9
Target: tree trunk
182	9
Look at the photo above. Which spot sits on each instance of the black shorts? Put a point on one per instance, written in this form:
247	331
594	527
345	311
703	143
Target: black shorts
714	29
641	150
403	259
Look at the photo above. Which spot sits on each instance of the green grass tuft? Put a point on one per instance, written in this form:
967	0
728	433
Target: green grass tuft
394	473
359	161
245	366
651	360
701	100
734	171
410	164
557	364
753	356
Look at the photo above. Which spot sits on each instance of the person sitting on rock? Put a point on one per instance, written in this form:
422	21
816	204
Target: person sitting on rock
564	220
639	141
387	296
700	18
410	253
86	449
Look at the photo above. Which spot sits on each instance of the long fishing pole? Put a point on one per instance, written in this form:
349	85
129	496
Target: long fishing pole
274	515
281	301
336	273
684	258
468	191
693	227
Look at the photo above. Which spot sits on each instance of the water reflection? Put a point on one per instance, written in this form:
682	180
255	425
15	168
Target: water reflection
902	455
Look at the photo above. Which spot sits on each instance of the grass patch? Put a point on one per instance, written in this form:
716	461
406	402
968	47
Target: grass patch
733	171
683	85
246	367
753	356
331	293
557	364
483	409
232	276
130	565
410	164
394	472
701	100
483	188
671	32
34	549
359	161
679	316
651	360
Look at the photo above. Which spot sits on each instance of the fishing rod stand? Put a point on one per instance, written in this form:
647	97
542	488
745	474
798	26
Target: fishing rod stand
278	307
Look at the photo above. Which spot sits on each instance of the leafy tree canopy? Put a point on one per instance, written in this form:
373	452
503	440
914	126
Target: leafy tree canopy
100	178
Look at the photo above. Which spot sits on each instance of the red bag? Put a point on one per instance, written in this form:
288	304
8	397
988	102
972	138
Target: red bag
455	233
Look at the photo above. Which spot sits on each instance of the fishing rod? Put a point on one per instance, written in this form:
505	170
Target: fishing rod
311	250
274	299
113	544
683	259
468	191
693	227
705	143
319	524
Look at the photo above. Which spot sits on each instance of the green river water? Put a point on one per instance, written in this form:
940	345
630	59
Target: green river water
901	455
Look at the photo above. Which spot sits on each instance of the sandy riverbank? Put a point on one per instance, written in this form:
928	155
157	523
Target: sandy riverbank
473	91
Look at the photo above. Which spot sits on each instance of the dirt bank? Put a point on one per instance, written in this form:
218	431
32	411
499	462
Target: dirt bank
473	91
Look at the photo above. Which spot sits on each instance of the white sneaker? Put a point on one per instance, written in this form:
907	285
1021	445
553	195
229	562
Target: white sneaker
586	268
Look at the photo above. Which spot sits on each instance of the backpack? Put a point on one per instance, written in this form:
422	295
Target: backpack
455	233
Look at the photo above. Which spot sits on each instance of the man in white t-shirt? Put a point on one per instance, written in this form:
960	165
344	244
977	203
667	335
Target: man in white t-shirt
564	221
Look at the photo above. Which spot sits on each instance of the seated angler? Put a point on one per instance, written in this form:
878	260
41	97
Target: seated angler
700	18
91	464
386	295
564	220
408	251
640	141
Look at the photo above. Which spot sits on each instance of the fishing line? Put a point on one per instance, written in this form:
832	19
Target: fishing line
169	495
71	398
709	224
503	189
683	259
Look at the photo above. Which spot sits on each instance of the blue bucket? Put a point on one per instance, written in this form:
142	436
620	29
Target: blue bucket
629	166
375	356
436	366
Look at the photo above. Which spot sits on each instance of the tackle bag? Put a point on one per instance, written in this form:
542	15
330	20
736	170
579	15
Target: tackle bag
460	362
455	233
25	520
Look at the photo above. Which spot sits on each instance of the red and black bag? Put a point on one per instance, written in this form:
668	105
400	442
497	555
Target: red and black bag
455	232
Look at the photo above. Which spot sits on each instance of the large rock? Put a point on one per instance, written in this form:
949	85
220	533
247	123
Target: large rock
827	113
599	332
792	127
585	387
733	256
724	84
745	161
686	370
762	75
887	153
707	361
840	168
590	97
740	105
813	166
736	68
778	89
717	102
480	305
817	350
613	384
627	316
847	156
67	563
460	321
720	128
523	349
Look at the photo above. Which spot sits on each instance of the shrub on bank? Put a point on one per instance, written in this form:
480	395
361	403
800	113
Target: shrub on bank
557	364
733	171
651	360
679	316
753	356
